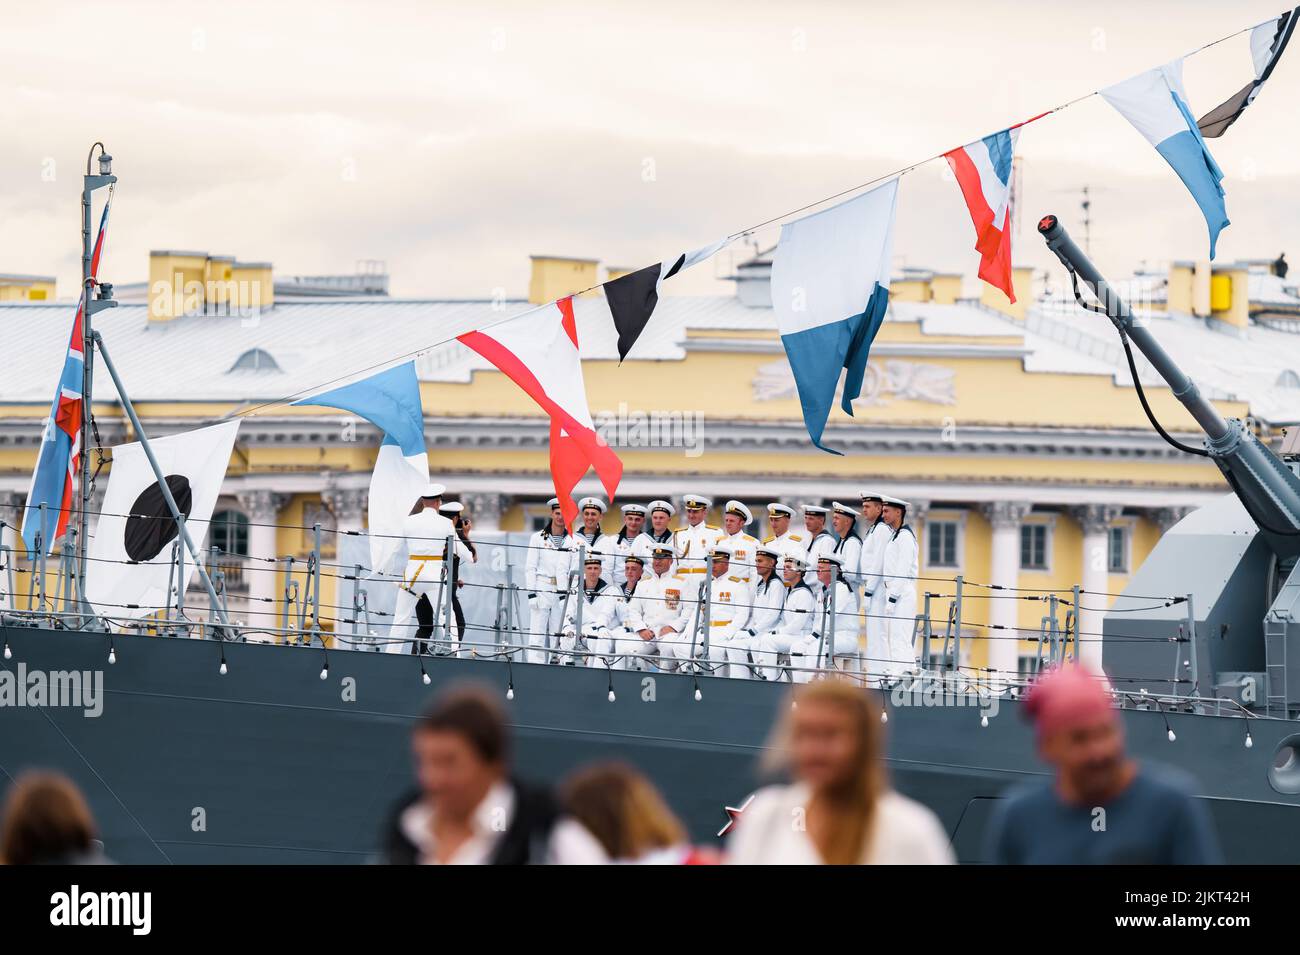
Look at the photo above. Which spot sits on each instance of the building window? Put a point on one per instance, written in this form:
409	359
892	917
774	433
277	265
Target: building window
255	359
1033	547
1117	562
1029	665
230	533
941	543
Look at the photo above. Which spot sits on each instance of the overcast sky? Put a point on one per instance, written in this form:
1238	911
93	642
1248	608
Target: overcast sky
453	140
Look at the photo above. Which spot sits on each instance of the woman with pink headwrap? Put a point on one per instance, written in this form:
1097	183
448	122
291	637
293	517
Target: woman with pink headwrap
1101	807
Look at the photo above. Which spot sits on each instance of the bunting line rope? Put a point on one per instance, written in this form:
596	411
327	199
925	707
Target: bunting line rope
377	366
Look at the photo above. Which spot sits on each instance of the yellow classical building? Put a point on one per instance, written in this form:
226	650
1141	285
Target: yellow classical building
1015	431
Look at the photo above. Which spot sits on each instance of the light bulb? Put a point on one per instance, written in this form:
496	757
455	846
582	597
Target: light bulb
425	677
984	721
510	692
1172	737
1250	743
325	672
112	655
8	653
698	695
611	695
222	670
884	716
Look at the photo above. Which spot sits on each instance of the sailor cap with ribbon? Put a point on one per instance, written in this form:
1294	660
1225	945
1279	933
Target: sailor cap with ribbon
895	501
451	507
434	490
634	558
693	501
839	508
776	509
662	506
634	509
740	510
553	503
836	559
595	502
594	557
797	556
816	509
871	497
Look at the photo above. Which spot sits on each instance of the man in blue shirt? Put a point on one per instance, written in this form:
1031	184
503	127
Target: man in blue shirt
1101	807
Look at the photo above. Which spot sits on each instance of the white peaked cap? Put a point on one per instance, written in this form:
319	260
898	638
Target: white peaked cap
595	502
433	490
735	507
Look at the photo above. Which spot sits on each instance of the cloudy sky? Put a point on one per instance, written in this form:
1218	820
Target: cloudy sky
453	140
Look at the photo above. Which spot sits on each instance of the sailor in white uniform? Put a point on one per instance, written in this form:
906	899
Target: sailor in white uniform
848	544
735	518
793	632
729	599
839	636
874	596
552	553
694	541
657	531
820	540
426	532
591	511
660	610
620	647
768	601
778	519
601	612
622	543
899	575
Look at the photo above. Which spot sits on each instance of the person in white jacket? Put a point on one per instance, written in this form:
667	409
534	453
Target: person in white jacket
837	622
769	600
660	611
621	645
793	632
624	542
848	544
656	530
899	579
819	541
735	518
728	642
600	609
426	532
875	603
591	511
552	552
839	808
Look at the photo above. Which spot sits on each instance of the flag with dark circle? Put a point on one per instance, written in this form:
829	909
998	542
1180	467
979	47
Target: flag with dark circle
150	526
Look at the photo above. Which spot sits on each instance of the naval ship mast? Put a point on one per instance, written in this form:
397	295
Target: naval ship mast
95	297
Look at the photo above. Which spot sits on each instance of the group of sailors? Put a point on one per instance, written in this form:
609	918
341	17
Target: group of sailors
699	597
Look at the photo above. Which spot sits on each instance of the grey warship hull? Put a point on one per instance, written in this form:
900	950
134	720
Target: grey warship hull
270	763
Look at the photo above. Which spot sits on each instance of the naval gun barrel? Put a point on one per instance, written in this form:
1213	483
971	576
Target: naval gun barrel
1267	488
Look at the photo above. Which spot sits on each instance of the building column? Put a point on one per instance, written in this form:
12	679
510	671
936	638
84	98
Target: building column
1095	519
1004	570
11	513
485	510
348	505
1167	517
262	508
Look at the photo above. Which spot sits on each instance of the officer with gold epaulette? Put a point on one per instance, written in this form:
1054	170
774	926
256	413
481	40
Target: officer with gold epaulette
735	518
695	540
778	518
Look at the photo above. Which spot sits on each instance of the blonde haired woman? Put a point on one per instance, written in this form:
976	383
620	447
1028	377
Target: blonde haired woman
840	809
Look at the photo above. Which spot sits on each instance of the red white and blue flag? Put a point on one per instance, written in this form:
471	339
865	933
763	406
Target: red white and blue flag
983	171
54	481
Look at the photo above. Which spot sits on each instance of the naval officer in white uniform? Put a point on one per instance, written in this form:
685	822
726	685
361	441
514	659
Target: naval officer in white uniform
874	596
426	532
552	554
899	576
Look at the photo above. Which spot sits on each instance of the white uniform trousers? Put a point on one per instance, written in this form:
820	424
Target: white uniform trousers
423	576
545	618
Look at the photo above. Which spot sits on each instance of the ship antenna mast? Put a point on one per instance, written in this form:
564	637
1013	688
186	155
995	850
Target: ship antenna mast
89	306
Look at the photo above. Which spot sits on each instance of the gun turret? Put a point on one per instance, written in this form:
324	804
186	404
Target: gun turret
1267	488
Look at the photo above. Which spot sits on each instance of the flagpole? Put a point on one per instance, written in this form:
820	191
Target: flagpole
89	305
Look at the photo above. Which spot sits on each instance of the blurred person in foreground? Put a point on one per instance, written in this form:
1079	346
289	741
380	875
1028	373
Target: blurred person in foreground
840	810
1101	807
629	818
468	810
47	822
